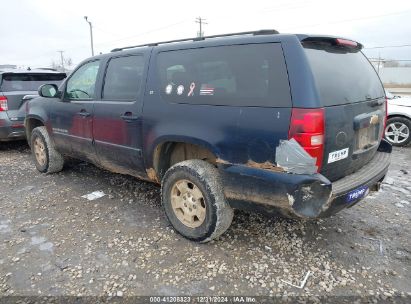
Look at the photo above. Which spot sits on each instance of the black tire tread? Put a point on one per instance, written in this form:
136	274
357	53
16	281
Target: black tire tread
210	177
55	161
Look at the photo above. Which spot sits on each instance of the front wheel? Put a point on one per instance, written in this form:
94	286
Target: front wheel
194	202
398	130
46	157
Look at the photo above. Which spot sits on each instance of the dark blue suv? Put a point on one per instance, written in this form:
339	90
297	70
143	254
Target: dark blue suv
288	124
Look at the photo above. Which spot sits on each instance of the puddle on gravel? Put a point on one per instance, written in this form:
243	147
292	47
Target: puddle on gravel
46	246
42	243
27	188
35	240
22	251
4	226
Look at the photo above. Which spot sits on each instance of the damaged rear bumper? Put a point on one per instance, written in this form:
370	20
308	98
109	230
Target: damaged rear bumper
301	195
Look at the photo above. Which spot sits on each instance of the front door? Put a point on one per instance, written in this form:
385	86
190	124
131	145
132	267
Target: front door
72	117
117	115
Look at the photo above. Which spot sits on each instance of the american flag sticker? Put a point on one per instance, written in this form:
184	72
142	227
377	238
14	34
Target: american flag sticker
206	90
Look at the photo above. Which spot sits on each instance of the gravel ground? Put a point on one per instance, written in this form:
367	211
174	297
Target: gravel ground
54	242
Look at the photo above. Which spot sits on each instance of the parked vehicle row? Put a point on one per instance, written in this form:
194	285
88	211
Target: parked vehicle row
270	122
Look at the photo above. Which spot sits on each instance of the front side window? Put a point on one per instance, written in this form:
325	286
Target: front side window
236	75
81	84
123	78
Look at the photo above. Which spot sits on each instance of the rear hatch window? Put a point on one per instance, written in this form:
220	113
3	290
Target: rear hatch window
342	75
28	81
353	99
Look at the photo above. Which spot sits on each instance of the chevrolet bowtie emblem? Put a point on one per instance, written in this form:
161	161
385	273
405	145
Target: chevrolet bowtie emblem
374	119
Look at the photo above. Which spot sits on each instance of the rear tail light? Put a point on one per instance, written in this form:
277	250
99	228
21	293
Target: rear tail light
307	128
3	104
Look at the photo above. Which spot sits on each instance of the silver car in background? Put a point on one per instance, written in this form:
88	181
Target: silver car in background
16	87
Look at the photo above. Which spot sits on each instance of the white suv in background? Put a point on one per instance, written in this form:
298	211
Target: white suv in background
398	128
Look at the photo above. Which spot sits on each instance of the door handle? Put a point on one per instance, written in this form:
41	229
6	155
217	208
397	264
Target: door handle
84	113
128	116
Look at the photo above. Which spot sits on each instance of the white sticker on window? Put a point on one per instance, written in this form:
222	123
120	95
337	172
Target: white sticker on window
169	89
337	155
180	90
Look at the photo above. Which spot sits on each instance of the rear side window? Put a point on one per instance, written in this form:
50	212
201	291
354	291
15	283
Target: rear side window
342	77
237	75
123	78
28	81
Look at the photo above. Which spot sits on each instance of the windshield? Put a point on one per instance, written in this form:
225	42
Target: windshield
342	77
28	82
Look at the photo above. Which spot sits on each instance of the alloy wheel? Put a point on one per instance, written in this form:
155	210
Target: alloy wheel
397	132
188	203
40	151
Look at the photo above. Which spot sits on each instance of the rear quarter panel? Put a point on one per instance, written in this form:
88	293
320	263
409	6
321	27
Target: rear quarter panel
233	134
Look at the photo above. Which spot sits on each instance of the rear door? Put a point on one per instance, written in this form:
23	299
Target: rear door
117	115
354	101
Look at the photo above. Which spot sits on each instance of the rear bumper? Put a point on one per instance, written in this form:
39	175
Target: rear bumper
299	195
10	130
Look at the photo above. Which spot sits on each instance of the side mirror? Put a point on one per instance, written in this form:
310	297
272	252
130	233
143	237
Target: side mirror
48	90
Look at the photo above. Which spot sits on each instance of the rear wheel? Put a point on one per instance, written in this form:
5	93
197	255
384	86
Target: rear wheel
194	202
46	157
398	130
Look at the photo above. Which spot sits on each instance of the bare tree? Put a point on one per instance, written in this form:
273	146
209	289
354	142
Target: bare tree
68	62
54	65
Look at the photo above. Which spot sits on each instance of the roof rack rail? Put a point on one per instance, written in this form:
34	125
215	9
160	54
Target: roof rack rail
260	32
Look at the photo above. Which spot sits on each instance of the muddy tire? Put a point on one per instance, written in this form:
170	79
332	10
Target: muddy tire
46	157
398	131
194	201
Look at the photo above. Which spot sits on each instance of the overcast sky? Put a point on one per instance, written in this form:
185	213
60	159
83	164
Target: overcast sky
32	31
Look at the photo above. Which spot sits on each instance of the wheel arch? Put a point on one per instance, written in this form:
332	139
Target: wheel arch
393	115
31	122
167	151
